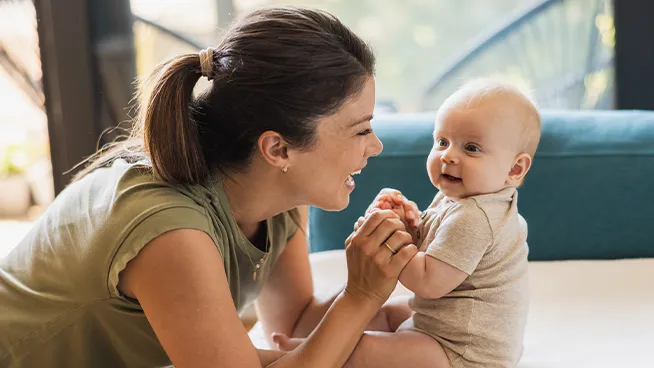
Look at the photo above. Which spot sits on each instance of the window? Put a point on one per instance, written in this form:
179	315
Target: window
561	51
25	169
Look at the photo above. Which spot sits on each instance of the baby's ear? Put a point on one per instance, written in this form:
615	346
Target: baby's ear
521	166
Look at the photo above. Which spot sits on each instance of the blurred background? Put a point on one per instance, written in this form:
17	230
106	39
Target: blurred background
68	67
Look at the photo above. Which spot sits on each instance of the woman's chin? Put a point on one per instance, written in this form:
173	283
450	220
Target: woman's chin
336	203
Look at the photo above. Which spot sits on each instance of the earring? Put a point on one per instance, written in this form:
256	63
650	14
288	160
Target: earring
285	169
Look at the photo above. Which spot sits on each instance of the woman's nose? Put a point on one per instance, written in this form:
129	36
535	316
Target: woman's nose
375	147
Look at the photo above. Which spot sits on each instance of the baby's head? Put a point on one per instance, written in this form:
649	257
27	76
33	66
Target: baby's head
485	137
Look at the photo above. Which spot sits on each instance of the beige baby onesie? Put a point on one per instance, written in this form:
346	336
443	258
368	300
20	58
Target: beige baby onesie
481	322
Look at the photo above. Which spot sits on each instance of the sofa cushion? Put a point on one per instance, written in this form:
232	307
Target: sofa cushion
582	313
588	195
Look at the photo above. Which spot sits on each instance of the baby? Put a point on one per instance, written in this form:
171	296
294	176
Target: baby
469	279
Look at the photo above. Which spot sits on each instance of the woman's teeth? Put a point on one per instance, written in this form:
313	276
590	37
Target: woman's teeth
350	179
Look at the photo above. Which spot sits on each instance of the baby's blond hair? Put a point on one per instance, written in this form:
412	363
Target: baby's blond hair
524	110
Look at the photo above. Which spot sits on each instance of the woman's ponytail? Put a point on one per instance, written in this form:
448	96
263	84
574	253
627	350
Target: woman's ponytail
164	133
170	135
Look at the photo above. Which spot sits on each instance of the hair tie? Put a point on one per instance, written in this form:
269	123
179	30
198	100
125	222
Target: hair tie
206	62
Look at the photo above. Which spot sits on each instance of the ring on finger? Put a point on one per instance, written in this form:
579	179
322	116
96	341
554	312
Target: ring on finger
390	248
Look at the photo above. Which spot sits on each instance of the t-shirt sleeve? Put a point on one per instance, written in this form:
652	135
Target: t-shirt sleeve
292	222
149	227
463	237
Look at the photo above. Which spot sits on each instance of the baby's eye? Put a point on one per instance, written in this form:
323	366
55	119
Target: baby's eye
440	142
473	148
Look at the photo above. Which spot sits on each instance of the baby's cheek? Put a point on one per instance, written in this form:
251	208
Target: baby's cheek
433	168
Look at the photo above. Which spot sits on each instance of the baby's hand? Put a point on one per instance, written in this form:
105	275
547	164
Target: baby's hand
391	199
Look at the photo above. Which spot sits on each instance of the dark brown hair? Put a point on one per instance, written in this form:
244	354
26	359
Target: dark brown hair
276	69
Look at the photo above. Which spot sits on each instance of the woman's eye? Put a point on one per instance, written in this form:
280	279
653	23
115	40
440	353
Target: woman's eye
472	148
441	142
365	132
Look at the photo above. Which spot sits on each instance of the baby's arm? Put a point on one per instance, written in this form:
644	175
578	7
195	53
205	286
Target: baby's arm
429	277
458	244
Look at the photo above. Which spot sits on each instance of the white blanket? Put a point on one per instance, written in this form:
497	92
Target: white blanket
583	313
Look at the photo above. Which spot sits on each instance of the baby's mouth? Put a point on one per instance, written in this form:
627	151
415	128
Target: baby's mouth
451	178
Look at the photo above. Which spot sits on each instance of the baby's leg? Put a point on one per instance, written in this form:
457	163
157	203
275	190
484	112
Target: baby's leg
397	311
379	322
391	315
404	348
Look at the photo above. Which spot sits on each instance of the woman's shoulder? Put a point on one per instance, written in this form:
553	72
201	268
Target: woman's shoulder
127	190
142	208
104	219
136	188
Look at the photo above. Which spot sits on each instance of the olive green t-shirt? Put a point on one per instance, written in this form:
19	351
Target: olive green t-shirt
59	302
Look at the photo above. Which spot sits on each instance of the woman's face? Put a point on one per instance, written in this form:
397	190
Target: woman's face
322	176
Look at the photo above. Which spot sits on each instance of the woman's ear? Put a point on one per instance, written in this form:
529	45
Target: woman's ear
521	165
274	149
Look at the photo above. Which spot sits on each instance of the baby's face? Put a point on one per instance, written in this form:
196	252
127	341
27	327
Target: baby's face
474	150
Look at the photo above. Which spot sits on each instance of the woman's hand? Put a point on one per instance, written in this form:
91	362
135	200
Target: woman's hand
394	200
376	254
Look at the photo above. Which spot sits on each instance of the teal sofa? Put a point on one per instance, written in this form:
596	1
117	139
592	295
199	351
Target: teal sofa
589	204
589	194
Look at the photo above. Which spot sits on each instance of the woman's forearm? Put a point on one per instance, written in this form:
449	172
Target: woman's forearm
312	315
267	357
335	337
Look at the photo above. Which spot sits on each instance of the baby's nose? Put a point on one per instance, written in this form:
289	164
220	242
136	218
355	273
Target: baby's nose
449	157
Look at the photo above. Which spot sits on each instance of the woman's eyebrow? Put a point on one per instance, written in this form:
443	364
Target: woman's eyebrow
362	120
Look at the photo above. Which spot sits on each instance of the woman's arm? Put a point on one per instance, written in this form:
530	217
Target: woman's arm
370	266
194	318
267	357
286	303
180	282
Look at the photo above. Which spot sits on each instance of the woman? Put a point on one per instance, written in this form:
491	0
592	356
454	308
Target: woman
147	258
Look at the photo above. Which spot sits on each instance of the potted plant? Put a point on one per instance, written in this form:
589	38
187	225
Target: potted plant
14	189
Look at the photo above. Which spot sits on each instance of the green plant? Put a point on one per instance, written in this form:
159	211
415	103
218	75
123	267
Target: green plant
13	160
